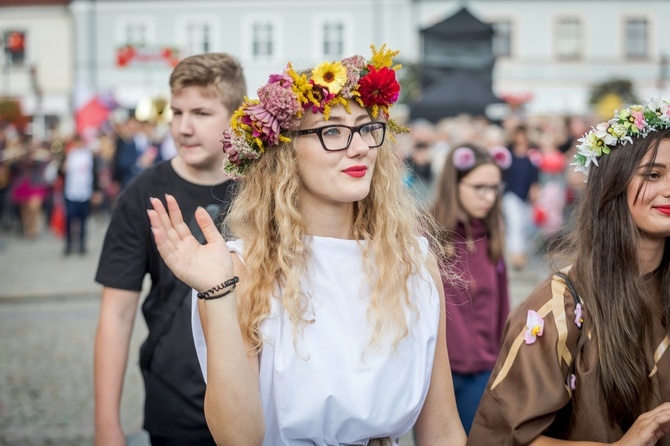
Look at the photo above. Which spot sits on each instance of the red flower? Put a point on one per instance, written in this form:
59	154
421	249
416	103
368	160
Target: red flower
379	87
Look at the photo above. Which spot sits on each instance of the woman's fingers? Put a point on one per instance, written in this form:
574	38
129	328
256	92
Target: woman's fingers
176	218
209	229
163	242
171	219
660	420
649	427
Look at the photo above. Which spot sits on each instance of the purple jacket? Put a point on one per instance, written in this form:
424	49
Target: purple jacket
476	312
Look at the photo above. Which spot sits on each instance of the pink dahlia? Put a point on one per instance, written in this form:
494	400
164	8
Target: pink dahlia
264	125
282	104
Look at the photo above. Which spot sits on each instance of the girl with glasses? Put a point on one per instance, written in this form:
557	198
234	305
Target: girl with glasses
467	206
322	321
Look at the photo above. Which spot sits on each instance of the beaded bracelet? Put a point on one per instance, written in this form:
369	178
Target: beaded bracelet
225	293
209	294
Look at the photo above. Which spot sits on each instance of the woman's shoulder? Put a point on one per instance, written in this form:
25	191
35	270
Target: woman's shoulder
555	296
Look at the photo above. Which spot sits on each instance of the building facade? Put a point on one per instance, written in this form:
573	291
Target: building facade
554	52
37	61
550	52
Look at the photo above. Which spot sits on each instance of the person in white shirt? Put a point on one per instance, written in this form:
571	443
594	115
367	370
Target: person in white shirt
326	326
80	185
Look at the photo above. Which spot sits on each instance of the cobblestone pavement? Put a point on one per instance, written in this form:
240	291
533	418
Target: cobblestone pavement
48	315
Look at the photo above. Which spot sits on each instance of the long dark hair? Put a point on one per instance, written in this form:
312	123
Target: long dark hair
608	276
447	207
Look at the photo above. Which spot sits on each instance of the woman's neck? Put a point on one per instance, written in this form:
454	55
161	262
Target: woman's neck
650	253
329	221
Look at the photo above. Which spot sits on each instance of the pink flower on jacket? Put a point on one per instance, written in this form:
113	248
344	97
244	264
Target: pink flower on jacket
572	381
534	327
579	319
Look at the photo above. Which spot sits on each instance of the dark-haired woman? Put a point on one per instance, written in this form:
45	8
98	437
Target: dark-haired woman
584	357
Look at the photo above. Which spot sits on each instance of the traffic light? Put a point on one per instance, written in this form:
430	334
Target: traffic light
15	46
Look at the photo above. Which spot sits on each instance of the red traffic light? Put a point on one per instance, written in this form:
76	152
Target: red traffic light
15	41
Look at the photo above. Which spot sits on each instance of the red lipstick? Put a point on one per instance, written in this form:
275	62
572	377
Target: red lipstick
356	171
663	209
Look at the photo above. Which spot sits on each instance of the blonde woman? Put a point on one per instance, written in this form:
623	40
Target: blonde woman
325	326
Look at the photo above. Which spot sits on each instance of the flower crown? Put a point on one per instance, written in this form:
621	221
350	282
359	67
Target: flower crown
636	121
464	158
265	122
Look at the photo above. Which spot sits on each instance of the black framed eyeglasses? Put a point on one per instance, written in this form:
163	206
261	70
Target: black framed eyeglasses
484	189
338	136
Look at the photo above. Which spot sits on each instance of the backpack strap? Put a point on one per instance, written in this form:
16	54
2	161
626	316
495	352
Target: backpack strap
570	378
571	287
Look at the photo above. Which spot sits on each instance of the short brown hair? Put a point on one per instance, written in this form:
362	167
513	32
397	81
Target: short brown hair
218	74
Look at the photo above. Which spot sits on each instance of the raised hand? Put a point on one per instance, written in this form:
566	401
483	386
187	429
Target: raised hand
200	266
648	428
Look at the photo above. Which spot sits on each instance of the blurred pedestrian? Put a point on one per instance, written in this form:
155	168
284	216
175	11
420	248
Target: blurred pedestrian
521	189
31	188
80	185
585	358
468	208
134	151
418	164
205	90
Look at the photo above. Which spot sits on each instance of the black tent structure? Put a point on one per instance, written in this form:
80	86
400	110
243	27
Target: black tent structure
456	93
457	67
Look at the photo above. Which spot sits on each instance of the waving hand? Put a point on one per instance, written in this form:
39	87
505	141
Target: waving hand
200	266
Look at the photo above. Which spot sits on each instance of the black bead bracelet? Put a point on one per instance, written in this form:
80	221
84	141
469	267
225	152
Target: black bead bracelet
211	293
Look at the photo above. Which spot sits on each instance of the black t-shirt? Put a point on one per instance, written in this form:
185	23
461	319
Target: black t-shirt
174	384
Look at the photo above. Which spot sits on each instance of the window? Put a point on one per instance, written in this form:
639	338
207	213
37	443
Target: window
135	31
198	37
262	39
502	38
136	34
636	39
568	39
333	40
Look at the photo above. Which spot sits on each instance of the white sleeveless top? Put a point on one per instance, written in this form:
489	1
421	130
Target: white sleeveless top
330	387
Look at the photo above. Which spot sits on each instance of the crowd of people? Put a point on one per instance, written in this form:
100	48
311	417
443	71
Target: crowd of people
323	273
56	184
540	187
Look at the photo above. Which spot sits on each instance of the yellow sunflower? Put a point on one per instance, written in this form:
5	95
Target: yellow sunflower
331	75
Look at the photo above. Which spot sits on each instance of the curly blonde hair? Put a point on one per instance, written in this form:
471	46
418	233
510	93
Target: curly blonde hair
266	216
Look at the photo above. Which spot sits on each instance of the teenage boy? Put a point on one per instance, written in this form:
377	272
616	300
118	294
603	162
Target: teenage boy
205	90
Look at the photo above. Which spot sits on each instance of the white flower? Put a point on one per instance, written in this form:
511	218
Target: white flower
658	105
602	131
